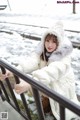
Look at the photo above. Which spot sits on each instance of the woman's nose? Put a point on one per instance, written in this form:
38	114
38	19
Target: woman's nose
50	44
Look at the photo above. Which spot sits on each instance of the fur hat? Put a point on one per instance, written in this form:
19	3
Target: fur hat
56	30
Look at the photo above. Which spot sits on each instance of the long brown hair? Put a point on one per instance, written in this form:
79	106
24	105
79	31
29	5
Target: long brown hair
48	36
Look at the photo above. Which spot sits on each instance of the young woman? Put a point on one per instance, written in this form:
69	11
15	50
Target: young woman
50	63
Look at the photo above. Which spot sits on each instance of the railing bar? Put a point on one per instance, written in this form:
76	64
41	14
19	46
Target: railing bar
12	94
1	95
51	93
10	89
0	92
26	106
62	112
4	90
23	99
38	104
16	79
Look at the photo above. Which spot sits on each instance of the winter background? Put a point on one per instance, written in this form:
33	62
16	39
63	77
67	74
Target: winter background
38	13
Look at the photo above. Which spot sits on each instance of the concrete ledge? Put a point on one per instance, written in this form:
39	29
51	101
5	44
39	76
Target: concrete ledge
12	113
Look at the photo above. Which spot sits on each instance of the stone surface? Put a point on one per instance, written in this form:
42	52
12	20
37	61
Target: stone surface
12	113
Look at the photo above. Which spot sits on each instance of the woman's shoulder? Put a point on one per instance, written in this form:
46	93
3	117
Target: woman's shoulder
64	61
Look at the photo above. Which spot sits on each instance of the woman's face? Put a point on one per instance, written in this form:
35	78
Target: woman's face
50	43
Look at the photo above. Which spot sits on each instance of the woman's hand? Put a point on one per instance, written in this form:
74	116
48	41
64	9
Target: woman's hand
2	77
7	74
22	87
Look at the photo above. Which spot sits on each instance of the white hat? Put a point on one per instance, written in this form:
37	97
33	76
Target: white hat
56	30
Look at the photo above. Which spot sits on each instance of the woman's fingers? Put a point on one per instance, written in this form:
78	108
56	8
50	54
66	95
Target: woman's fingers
21	87
8	73
3	77
18	91
18	88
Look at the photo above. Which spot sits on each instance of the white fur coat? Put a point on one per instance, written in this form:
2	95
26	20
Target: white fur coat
57	73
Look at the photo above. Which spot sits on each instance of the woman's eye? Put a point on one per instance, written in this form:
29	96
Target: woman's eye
54	41
47	40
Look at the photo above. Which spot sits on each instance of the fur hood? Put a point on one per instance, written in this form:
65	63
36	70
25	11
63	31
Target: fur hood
65	46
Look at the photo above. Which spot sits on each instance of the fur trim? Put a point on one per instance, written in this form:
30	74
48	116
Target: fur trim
62	51
56	30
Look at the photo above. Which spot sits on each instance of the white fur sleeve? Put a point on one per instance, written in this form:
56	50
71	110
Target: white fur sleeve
29	64
49	74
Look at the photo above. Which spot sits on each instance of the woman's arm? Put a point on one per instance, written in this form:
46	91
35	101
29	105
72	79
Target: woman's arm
30	63
26	65
50	73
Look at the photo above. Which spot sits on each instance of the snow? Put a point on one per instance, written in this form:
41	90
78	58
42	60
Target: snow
40	13
42	7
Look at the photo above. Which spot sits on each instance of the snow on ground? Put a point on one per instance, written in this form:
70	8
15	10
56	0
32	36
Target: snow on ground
14	47
40	13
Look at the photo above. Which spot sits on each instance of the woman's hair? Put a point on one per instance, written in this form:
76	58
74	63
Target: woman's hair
55	40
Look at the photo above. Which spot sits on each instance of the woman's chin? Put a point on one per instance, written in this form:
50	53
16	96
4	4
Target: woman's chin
49	50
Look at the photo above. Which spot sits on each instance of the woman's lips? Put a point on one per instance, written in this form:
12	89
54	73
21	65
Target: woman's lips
49	48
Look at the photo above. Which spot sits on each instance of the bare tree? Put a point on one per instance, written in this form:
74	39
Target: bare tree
74	6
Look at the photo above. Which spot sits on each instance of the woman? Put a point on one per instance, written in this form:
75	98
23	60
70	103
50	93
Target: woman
51	64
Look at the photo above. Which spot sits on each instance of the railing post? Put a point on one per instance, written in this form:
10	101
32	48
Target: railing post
38	104
1	95
62	112
23	100
37	87
10	89
5	92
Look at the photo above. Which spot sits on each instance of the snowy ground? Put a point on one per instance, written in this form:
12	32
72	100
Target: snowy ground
40	13
14	47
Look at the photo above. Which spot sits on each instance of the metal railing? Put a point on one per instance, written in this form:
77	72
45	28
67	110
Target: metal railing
37	87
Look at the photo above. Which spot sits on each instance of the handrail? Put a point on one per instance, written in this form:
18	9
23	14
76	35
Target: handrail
36	87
